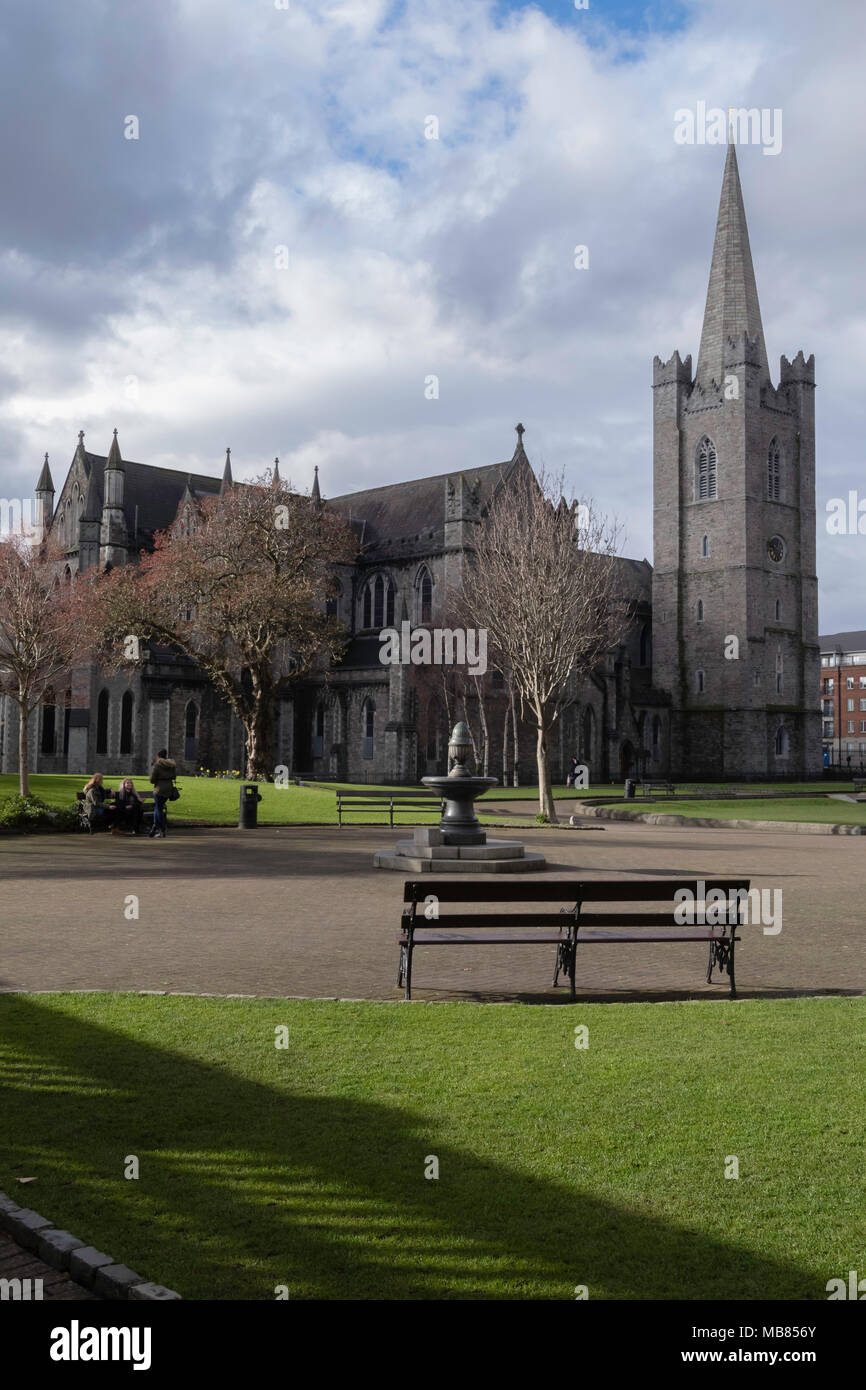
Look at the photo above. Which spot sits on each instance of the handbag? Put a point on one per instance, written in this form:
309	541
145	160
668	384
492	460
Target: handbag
174	794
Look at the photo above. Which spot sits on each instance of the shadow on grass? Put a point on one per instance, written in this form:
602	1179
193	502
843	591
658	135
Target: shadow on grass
245	1186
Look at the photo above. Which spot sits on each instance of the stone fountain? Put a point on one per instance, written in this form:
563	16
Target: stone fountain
458	844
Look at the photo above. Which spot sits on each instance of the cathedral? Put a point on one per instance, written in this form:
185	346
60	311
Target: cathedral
716	677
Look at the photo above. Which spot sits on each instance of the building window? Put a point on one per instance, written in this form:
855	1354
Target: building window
369	721
700	610
102	722
49	723
778	609
850	704
379	602
705	547
778	683
366	608
646	645
705	471
332	606
318	740
781	746
700	682
425	595
829	685
657	738
850	726
126	707
774	470
863	726
756	679
849	682
190	748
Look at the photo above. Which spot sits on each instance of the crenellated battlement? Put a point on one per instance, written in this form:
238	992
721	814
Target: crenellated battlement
675	371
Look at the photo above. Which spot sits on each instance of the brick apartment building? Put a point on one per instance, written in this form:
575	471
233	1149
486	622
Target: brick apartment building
843	699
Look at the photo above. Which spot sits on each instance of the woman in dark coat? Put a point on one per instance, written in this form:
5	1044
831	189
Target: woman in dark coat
127	807
162	775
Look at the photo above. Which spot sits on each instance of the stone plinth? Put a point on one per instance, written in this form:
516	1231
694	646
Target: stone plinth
427	854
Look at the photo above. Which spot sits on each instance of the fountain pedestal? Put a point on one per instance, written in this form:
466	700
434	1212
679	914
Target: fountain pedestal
458	844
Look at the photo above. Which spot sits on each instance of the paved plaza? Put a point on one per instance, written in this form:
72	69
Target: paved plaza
288	910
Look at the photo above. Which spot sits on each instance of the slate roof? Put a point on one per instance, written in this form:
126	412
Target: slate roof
843	641
155	491
404	519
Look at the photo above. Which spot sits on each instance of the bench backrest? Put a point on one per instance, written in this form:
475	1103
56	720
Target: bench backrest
373	795
575	892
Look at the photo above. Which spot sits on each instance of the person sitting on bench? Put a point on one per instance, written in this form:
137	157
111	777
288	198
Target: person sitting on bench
95	798
128	809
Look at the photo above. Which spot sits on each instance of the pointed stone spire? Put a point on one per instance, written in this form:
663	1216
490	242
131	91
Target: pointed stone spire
80	452
45	483
114	460
732	296
275	481
315	495
520	433
227	474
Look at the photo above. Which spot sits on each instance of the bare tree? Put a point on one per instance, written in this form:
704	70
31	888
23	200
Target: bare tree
239	584
543	581
44	631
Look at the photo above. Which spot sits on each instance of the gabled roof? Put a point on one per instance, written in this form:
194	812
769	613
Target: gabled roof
408	518
843	641
156	492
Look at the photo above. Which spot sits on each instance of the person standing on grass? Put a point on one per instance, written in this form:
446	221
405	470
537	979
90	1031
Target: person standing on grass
162	775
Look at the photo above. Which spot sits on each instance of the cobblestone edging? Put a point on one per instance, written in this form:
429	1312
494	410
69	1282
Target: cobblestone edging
89	1267
797	827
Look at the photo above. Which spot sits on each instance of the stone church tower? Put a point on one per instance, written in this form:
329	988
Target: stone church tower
735	603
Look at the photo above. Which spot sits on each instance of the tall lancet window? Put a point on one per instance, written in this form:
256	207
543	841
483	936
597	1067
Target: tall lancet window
774	471
705	471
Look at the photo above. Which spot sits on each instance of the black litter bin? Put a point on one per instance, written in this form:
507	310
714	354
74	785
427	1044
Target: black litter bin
629	789
249	810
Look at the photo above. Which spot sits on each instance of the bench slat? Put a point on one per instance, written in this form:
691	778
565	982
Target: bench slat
562	890
431	938
674	934
495	919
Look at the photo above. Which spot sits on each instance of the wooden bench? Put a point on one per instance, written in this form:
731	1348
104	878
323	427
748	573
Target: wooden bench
575	923
363	800
650	788
84	821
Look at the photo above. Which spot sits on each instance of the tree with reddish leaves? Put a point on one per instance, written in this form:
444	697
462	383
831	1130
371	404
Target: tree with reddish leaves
45	630
240	584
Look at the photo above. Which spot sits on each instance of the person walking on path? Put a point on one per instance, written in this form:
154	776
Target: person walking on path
162	775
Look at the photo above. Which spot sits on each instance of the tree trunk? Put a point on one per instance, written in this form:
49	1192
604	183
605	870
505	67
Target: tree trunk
546	804
257	728
505	747
471	731
515	775
485	733
23	744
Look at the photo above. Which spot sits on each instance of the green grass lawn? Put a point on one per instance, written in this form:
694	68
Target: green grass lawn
558	1167
214	801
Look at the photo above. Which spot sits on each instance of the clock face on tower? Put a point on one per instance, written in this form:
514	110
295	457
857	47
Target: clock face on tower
776	549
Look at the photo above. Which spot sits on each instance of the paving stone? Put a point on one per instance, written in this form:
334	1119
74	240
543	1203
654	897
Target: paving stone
115	1281
55	1247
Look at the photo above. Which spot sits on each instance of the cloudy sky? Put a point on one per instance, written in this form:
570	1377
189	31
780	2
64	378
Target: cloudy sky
282	258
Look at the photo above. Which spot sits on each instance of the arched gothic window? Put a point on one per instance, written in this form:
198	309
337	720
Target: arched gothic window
49	722
657	738
700	610
705	471
646	645
102	722
126	709
425	595
190	731
379	602
774	471
368	719
367	608
705	547
318	740
781	744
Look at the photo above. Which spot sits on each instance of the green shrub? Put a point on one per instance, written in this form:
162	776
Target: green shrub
30	813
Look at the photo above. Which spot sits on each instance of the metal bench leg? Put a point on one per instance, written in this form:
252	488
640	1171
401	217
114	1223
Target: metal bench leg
401	970
572	966
731	972
408	994
712	962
